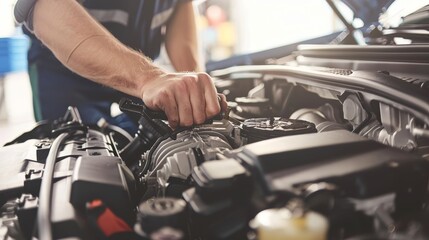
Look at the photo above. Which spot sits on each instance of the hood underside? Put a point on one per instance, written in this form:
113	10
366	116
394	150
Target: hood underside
368	10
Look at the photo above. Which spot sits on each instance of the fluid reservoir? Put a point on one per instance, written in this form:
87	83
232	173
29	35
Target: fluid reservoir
286	224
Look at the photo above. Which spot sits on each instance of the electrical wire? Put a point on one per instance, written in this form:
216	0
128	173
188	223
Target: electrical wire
120	131
44	212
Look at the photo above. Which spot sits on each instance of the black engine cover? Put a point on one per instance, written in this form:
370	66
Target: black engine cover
359	167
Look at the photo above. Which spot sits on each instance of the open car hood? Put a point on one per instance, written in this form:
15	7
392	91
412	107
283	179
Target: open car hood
368	10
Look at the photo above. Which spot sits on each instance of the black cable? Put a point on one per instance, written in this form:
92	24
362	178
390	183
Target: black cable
368	118
44	211
149	158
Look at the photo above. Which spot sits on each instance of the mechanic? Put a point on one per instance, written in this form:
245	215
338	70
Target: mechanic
102	54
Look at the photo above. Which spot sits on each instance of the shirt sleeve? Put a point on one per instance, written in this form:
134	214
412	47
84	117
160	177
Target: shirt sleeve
23	12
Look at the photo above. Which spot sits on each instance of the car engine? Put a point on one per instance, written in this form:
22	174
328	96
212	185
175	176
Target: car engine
331	142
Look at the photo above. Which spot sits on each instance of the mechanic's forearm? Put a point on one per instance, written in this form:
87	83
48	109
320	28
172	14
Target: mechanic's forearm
185	59
181	40
105	60
85	47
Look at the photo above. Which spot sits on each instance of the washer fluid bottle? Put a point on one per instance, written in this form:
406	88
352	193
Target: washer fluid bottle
290	223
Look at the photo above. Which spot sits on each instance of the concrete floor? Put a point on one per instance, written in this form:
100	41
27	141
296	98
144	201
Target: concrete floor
17	116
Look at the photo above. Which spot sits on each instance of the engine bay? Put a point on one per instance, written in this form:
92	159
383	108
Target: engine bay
319	158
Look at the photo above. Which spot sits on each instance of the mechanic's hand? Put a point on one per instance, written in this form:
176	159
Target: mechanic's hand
186	98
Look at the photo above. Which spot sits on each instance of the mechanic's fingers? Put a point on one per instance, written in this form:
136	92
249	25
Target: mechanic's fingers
212	102
223	102
166	101
183	103
186	99
197	100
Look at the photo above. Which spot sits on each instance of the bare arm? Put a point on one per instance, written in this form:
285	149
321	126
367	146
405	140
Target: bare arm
85	47
181	40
